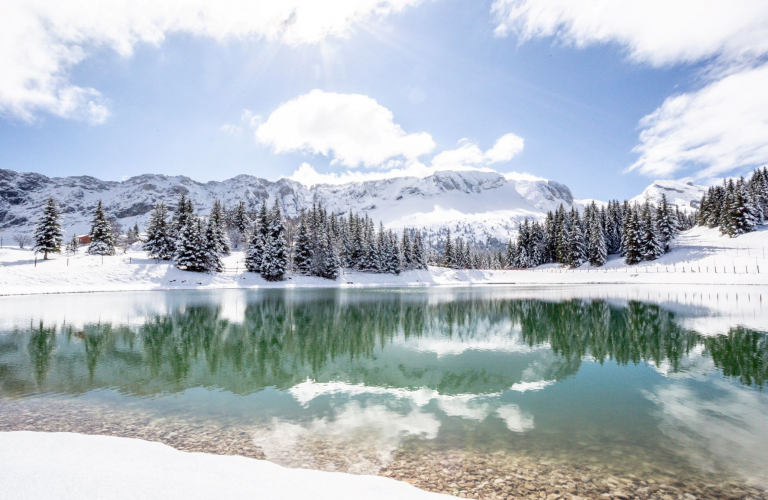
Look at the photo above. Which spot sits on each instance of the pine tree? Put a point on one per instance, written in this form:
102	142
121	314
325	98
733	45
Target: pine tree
597	249
330	265
158	243
212	244
510	257
371	262
274	262
241	221
631	241
191	252
184	210
102	237
392	264
407	249
73	245
650	247
666	223
419	252
739	214
219	232
523	259
449	258
48	232
302	258
575	242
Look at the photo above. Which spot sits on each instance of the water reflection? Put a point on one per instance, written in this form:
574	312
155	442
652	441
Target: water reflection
368	370
393	341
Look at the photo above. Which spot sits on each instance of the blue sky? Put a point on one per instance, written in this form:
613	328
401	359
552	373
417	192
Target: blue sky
192	102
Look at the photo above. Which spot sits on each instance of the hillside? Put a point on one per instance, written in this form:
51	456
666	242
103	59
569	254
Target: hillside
474	205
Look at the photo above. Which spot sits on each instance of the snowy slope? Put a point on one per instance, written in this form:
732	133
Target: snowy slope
476	204
684	195
700	256
93	467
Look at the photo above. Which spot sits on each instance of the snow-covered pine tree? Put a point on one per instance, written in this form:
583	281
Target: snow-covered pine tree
651	249
219	233
523	246
407	248
274	262
241	221
158	243
541	246
182	212
510	257
48	232
394	264
740	213
758	188
102	237
597	249
357	252
419	252
212	245
382	242
330	267
73	245
191	252
449	258
666	223
255	249
575	241
302	256
631	242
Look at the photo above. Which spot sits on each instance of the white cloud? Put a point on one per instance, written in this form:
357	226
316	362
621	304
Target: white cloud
714	130
41	40
506	147
467	157
469	154
352	128
248	119
657	32
230	129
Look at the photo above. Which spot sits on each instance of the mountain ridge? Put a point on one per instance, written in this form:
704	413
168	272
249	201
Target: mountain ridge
475	205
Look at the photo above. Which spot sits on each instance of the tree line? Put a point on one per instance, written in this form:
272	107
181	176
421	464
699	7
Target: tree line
638	232
736	207
317	244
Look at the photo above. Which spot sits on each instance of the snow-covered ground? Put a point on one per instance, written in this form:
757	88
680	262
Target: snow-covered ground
700	256
60	466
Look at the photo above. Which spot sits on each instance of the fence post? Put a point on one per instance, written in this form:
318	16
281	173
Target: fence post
35	260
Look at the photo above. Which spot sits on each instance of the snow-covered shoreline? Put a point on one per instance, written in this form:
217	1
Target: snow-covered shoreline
700	257
40	465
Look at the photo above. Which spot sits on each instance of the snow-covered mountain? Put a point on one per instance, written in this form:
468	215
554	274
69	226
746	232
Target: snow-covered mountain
475	205
684	195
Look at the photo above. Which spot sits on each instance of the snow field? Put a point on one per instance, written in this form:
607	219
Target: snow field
697	253
61	466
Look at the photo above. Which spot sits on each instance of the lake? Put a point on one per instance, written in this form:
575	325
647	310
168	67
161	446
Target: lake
475	391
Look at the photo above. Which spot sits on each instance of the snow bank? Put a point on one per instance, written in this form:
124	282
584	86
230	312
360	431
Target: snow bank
700	256
61	466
